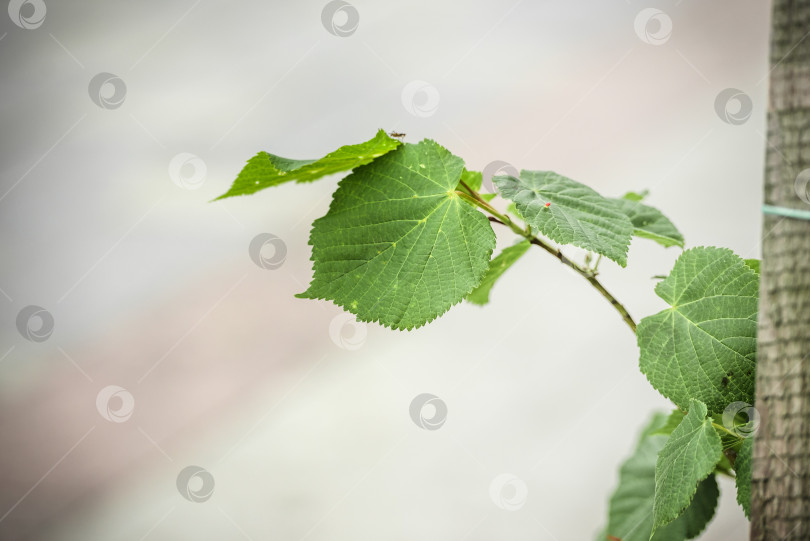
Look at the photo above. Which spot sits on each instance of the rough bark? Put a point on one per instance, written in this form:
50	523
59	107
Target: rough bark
780	497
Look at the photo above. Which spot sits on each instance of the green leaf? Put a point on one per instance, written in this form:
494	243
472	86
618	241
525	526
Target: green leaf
398	245
265	170
630	513
672	423
635	196
512	208
498	266
473	179
704	345
753	263
742	468
687	458
649	223
700	511
577	214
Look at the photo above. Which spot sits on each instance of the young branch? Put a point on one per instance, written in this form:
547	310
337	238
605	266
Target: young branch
589	274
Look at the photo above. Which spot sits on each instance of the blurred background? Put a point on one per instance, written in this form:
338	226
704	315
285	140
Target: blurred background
157	344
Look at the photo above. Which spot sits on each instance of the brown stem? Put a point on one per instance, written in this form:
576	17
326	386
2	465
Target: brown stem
591	277
474	198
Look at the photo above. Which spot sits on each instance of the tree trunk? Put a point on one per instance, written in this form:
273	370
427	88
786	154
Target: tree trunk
780	484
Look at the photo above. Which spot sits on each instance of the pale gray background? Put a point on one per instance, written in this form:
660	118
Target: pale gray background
152	289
